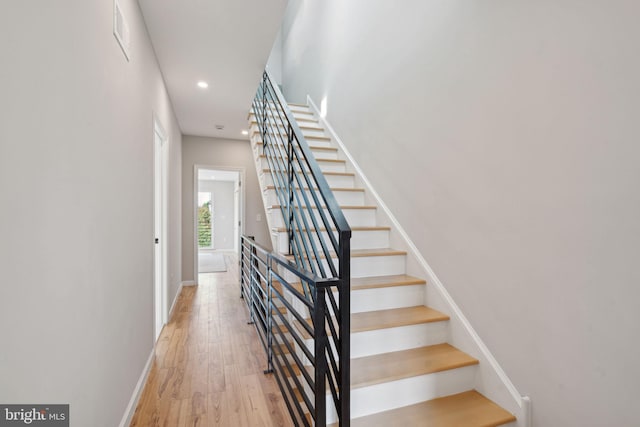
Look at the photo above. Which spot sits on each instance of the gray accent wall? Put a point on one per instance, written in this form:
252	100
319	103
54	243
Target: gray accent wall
219	153
504	138
76	214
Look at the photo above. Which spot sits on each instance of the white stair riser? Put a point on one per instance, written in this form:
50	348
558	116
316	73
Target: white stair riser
334	181
378	266
324	166
349	198
306	121
316	142
396	339
281	132
311	132
299	108
317	153
369	343
387	298
355	217
298	115
294	108
383	397
360	239
368	266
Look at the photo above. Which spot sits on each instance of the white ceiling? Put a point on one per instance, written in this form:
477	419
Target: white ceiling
223	42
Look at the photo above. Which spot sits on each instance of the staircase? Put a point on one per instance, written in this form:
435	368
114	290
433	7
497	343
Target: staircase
404	371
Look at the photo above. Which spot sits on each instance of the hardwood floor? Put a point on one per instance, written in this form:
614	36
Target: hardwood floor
208	364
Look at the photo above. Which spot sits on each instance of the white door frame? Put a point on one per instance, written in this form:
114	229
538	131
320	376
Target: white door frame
160	145
241	204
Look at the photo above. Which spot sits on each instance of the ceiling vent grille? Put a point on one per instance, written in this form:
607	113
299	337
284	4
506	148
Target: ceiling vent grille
121	29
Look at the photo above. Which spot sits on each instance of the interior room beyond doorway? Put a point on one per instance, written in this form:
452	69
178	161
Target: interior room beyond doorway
217	218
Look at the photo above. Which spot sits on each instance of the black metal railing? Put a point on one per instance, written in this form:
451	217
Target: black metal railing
301	335
301	303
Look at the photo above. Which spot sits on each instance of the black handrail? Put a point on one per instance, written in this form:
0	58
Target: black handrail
319	261
302	351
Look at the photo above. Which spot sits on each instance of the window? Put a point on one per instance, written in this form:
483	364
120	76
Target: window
205	220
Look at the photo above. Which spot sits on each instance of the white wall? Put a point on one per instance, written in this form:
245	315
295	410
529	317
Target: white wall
223	212
274	64
504	137
219	153
76	222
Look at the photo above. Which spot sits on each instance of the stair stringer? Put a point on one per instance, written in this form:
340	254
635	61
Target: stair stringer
263	192
491	380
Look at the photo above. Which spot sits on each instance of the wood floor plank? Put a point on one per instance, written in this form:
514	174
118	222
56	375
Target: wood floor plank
208	364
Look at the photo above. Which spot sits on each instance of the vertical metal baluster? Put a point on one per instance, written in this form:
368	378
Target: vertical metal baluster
252	280
241	262
290	167
269	313
319	313
264	111
345	328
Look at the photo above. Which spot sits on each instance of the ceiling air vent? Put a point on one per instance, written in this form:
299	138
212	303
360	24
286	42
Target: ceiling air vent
121	29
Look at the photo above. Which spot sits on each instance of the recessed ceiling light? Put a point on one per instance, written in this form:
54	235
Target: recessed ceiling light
245	132
203	84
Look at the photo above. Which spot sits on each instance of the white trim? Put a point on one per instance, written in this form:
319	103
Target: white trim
175	299
241	172
526	410
137	391
124	39
160	314
522	401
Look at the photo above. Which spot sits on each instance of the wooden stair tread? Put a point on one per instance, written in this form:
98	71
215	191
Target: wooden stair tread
271	110
307	119
370	228
300	125
268	170
254	121
312	137
360	253
402	364
359	283
312	147
264	156
341	207
395	317
385	319
354	190
384	281
468	409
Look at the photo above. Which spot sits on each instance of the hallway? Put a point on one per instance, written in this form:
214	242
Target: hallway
208	363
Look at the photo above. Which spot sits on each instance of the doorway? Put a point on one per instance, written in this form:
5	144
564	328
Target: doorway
160	227
218	217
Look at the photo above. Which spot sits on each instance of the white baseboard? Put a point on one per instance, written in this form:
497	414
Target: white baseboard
137	391
522	403
175	299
